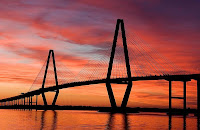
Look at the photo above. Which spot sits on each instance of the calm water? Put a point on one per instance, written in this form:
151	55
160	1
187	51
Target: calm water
19	119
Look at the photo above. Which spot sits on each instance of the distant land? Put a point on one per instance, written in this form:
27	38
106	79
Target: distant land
100	109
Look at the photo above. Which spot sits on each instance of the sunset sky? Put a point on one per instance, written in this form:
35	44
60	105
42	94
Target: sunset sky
81	31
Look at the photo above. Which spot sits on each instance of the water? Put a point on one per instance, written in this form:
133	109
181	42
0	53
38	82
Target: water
72	119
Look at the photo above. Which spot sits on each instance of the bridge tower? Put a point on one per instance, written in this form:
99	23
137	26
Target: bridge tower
120	23
51	54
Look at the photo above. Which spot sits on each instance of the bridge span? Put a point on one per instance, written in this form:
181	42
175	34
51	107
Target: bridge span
114	81
169	78
129	79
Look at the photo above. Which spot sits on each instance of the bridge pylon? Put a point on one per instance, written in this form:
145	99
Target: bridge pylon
51	53
126	56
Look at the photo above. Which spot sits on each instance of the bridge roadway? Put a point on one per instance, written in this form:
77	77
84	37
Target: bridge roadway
116	80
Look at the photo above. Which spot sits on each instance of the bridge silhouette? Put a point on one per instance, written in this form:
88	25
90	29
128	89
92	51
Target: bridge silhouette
24	98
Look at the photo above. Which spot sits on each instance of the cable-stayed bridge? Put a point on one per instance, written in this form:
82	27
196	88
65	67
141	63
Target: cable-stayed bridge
128	61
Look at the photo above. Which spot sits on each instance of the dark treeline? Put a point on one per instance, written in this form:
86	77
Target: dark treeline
100	109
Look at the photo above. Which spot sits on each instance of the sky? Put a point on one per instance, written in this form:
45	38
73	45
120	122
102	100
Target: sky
81	32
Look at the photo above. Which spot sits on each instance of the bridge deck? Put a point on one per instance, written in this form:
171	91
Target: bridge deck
116	80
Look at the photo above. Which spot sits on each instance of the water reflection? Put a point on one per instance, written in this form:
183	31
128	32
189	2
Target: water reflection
170	122
111	119
43	119
48	119
198	121
126	123
184	122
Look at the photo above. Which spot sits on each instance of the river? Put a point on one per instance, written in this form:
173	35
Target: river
74	119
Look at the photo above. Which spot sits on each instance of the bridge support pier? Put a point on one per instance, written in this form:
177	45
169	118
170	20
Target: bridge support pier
55	98
170	97
29	101
24	101
126	95
111	95
198	97
36	102
56	79
44	79
129	84
184	97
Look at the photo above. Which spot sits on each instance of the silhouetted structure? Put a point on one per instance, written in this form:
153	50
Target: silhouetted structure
25	100
51	53
129	81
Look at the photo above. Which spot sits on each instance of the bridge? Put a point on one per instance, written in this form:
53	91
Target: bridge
25	98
